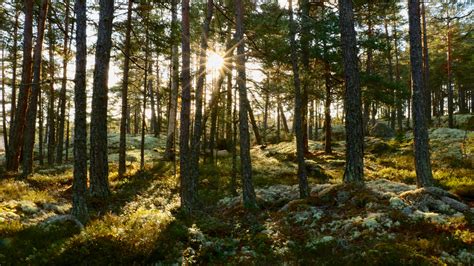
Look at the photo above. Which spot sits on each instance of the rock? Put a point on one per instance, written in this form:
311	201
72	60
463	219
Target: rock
223	153
314	170
61	220
338	132
457	205
8	216
28	207
382	130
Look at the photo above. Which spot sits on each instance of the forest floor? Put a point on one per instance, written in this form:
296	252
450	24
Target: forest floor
387	222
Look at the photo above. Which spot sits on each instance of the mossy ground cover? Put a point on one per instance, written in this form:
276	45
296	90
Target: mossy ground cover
141	222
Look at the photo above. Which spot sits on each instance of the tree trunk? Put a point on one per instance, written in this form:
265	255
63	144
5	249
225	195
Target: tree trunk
123	120
283	119
398	100
79	185
305	55
158	100
62	94
170	135
424	176
18	124
30	126
198	119
188	189
4	114
426	68
299	116
265	113
392	113
253	122
249	197
67	129
14	67
147	85
354	171
40	129
450	79
99	169
229	115
51	125
327	109
151	91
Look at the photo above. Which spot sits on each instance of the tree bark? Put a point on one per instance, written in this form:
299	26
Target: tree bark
253	122
14	67
249	197
426	68
354	171
99	169
79	185
62	94
18	124
299	116
305	55
398	101
188	189
450	79
170	135
424	176
51	125
124	115
32	109
146	87
4	114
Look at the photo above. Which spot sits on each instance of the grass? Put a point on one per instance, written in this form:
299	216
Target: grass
141	222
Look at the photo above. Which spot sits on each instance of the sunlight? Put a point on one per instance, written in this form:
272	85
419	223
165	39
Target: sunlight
214	61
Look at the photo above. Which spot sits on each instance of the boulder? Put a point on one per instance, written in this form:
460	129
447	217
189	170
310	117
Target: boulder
314	170
382	130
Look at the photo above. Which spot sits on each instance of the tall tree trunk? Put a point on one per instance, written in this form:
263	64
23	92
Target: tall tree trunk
124	115
62	93
249	197
198	121
424	176
170	135
213	129
14	66
390	74
283	119
235	121
305	55
265	112
229	115
253	122
398	100
450	78
146	87
4	114
99	168
51	125
188	189
40	129
158	100
32	109
367	99
299	128
79	185
354	171
327	112
151	91
426	68
18	124
68	129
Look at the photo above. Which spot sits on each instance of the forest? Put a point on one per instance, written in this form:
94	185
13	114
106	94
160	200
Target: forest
227	132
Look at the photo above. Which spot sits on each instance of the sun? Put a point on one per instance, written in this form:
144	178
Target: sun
214	61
